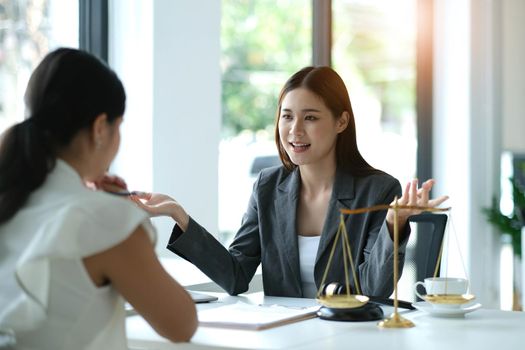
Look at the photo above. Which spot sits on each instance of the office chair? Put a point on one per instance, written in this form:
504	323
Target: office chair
421	258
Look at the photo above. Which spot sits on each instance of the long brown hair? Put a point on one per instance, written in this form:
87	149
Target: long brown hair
328	85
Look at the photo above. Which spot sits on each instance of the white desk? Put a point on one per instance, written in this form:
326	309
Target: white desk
481	329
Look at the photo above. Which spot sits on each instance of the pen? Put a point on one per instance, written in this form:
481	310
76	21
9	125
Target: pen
120	191
126	193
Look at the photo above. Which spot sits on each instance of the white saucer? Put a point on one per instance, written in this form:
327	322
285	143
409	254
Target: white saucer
446	312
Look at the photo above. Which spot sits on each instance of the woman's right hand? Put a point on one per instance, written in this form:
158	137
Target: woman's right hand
108	183
157	204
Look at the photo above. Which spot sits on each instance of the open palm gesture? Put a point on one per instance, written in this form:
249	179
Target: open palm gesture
157	204
414	197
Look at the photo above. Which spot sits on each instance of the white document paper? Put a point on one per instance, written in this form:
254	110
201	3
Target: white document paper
248	316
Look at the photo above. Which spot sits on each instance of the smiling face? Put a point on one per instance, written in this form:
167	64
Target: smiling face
308	130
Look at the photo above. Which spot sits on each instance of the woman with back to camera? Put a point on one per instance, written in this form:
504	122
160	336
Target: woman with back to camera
293	213
84	249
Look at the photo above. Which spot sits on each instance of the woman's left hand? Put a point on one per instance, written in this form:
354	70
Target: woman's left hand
414	197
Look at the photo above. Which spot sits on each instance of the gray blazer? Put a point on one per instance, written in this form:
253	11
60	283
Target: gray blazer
268	236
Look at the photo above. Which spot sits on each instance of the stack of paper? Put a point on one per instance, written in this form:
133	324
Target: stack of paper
248	316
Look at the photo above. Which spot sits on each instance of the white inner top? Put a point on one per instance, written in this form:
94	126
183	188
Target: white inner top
308	246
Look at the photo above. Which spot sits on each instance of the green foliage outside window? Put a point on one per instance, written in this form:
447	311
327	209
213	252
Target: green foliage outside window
378	50
263	43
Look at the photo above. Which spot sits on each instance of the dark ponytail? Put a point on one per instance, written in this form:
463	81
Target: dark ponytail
65	94
25	160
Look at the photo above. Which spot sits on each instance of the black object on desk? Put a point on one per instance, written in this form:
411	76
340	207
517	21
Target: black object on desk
201	297
368	312
196	296
390	302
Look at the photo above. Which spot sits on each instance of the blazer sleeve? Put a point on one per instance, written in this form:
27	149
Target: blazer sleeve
231	268
376	270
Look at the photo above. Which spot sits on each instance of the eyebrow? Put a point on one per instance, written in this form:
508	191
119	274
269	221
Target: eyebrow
303	110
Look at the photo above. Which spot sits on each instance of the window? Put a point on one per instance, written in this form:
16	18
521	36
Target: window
29	29
374	50
263	43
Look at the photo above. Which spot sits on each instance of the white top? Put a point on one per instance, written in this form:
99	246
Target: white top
56	305
307	252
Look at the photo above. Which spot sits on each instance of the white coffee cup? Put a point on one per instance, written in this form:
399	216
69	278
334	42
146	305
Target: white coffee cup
442	286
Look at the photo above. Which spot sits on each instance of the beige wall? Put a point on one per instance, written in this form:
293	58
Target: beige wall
513	75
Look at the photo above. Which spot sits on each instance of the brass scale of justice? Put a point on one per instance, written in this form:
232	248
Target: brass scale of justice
341	304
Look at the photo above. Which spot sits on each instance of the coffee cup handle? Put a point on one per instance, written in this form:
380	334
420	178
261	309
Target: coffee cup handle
415	289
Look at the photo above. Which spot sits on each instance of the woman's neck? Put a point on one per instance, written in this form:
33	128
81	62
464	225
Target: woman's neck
76	164
77	156
317	179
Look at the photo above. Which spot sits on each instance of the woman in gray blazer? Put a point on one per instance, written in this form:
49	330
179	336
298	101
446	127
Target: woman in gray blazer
293	213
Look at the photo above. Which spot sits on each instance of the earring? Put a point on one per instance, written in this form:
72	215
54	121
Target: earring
98	143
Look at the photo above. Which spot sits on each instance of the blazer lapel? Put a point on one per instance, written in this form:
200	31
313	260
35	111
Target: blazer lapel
286	203
342	196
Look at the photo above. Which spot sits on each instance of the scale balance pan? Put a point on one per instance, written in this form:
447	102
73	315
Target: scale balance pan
449	299
343	301
344	307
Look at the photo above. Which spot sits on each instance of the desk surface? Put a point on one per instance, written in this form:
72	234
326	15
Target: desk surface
481	329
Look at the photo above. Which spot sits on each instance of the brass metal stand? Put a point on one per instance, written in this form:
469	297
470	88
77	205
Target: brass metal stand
396	320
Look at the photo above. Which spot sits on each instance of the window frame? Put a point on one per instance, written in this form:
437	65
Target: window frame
93	27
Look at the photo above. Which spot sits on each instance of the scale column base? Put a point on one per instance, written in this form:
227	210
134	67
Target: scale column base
395	321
